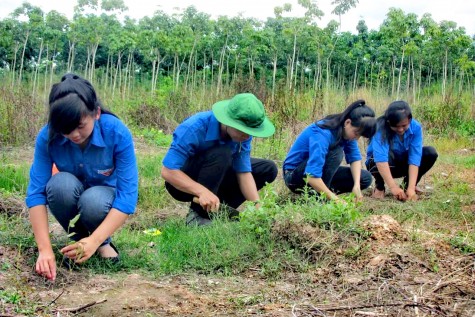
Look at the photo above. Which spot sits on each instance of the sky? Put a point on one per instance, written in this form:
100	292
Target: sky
372	11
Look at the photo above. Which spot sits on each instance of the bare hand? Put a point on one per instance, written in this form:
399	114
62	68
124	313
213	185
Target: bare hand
358	196
411	195
81	251
46	265
398	193
209	201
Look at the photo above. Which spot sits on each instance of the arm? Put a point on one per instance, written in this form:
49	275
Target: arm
414	160
383	169
247	185
45	264
320	187
411	187
85	248
356	173
178	179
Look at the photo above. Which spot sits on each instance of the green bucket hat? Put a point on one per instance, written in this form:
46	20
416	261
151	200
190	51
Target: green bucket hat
245	113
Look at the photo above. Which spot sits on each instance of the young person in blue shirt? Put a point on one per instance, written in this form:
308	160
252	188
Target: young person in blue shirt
209	161
314	158
396	151
98	177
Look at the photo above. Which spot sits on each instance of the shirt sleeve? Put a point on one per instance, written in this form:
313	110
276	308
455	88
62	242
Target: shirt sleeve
127	174
352	151
186	140
40	171
415	148
242	157
319	143
380	148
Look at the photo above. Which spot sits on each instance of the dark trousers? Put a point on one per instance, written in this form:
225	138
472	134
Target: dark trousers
400	168
213	169
337	178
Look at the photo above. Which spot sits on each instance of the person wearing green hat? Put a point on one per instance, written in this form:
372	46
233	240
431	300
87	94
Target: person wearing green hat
209	161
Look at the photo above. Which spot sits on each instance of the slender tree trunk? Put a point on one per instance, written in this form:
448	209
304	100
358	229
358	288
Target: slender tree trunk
355	76
46	67
400	75
38	64
292	62
393	76
23	56
188	68
274	72
444	69
16	48
71	55
221	65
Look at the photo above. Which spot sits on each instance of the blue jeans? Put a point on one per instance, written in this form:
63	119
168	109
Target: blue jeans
337	178
67	198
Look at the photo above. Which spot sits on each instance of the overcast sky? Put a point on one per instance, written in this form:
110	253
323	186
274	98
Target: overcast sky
372	11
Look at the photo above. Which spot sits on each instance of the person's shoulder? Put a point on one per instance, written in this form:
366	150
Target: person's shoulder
43	134
415	123
110	121
112	125
199	119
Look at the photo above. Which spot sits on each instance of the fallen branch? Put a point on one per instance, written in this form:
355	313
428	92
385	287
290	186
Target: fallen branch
78	309
54	300
403	304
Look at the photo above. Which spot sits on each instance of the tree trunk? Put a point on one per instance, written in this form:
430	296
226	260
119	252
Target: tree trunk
444	78
221	66
274	72
38	64
23	56
400	75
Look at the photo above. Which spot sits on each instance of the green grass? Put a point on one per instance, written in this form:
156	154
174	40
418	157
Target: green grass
228	248
14	178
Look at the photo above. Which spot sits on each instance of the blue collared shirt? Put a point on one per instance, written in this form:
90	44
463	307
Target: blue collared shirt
199	133
313	144
108	160
410	146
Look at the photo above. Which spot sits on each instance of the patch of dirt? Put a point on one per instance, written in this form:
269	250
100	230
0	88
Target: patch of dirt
12	205
383	228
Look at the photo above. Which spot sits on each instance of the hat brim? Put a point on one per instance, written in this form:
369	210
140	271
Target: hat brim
265	130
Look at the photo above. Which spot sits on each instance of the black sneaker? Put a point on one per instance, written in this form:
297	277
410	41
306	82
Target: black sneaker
194	219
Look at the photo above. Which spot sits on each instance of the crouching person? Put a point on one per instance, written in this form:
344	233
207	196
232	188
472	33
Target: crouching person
209	161
97	183
318	151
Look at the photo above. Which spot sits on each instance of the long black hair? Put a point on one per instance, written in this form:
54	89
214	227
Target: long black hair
69	101
397	111
361	116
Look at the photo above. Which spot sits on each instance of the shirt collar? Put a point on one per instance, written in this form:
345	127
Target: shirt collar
213	132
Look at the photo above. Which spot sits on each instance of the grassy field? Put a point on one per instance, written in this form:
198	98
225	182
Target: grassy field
293	257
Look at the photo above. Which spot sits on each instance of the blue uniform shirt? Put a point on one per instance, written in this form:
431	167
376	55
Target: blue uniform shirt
410	146
108	160
199	133
313	144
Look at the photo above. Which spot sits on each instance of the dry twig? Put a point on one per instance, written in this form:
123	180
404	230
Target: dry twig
78	309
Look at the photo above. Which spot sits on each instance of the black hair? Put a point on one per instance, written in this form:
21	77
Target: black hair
69	101
361	116
396	112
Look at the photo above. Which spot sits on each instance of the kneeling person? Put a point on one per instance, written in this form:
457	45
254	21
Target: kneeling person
209	161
